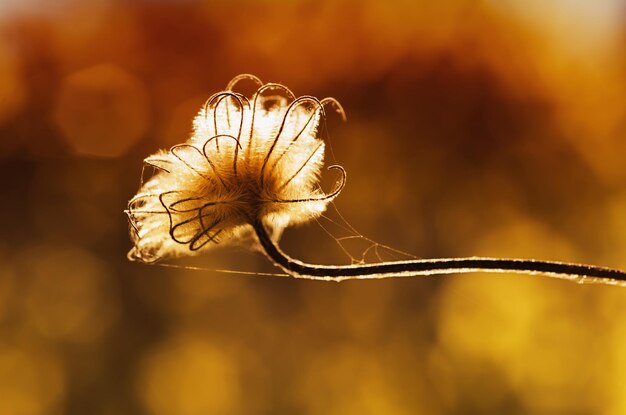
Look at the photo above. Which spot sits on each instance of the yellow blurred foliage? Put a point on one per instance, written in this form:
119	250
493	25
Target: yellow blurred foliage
31	381
102	111
77	304
189	375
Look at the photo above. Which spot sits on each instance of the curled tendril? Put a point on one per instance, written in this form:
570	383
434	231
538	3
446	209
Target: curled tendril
298	102
327	197
243	77
219	97
235	153
338	108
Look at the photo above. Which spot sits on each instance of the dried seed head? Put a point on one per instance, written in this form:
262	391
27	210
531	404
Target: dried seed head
248	159
255	163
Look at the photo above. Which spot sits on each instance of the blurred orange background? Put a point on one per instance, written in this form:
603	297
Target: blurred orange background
483	127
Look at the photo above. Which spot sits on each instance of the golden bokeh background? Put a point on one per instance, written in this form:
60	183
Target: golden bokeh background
483	127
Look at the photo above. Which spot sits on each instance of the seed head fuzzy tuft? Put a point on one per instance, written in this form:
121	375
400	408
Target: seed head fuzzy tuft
248	159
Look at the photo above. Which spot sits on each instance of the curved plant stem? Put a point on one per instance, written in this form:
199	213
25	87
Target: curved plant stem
296	268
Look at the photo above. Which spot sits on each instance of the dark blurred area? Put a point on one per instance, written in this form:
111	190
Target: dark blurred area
492	128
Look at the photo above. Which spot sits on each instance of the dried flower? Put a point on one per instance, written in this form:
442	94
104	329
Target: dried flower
255	163
247	159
